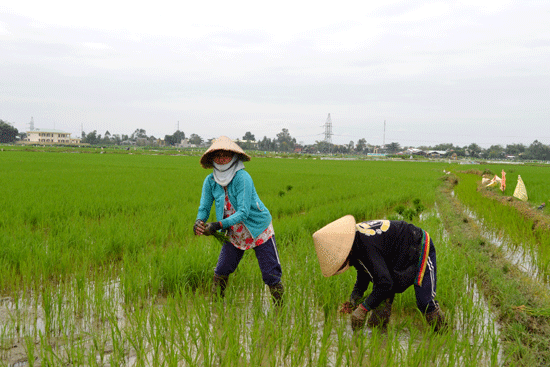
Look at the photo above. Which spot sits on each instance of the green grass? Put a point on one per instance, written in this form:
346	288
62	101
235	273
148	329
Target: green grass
521	228
97	254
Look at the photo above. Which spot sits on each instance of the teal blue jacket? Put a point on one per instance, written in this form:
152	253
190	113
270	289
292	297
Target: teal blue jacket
249	209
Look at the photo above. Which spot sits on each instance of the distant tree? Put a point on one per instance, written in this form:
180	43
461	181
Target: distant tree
249	136
265	144
248	141
7	132
91	138
495	152
361	145
475	150
393	147
195	139
538	151
285	141
460	152
515	149
340	149
324	147
446	146
179	136
139	133
169	140
106	138
351	145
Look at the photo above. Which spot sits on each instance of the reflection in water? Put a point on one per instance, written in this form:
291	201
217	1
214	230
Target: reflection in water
517	254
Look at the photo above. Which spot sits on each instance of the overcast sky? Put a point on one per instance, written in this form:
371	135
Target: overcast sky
456	72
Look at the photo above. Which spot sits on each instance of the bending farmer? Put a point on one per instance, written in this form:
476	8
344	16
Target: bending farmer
393	255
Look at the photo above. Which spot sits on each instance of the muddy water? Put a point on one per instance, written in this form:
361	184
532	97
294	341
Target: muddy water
32	321
517	254
25	321
488	330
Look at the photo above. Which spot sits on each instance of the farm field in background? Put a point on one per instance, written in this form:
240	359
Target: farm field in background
98	266
523	225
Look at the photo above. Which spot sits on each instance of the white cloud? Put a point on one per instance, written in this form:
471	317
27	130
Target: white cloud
4	29
251	65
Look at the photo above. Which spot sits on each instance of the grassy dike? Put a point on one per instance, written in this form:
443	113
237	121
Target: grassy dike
522	305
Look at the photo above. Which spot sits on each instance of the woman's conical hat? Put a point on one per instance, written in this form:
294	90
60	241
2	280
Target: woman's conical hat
333	244
222	143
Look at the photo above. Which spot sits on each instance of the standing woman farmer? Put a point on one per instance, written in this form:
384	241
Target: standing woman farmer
393	255
239	212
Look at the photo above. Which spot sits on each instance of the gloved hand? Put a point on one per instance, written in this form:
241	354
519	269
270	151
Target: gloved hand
346	307
355	298
211	227
198	227
358	318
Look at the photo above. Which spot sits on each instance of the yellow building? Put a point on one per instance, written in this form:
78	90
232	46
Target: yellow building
50	136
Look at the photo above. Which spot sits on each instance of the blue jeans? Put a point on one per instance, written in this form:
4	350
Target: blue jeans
266	254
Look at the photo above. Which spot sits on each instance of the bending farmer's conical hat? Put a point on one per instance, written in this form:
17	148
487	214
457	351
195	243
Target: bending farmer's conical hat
333	244
222	143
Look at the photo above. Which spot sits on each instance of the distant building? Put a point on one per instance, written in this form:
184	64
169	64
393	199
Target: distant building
185	144
415	151
142	142
247	144
437	153
50	136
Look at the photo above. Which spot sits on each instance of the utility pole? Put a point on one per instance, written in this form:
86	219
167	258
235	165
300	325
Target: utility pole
384	139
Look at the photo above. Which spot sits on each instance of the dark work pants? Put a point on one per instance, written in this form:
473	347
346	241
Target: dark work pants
425	295
266	254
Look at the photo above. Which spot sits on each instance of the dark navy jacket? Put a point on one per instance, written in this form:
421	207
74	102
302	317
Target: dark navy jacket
386	253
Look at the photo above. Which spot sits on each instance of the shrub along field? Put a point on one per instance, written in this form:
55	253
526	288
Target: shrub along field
99	266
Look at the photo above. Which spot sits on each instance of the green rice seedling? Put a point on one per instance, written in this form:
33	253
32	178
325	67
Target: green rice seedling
116	245
400	209
30	350
507	219
136	335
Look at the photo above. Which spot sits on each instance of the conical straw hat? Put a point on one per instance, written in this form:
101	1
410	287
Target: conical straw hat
333	244
222	143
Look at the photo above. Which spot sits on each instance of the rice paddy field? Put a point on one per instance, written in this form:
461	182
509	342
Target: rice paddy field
99	265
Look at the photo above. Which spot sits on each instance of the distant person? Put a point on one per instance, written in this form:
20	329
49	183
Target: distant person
240	213
393	255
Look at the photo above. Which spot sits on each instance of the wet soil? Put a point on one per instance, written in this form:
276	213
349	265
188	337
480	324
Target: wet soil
524	314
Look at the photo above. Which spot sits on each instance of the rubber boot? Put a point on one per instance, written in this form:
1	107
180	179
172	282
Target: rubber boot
380	316
218	286
277	292
436	319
